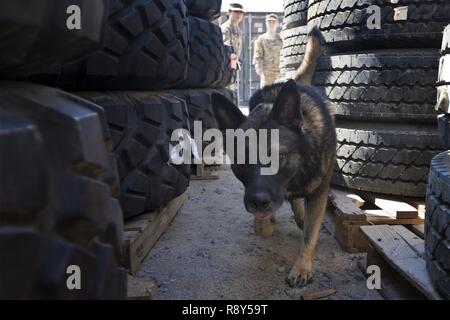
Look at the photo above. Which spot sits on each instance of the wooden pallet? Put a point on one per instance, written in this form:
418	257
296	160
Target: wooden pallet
142	232
200	173
140	289
352	210
400	255
199	170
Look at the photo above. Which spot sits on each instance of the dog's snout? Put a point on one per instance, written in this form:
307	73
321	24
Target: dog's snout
260	201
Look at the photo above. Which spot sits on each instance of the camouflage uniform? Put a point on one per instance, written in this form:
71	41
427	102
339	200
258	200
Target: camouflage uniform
232	36
266	58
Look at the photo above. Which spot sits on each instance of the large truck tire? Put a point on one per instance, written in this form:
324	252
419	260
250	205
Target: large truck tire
437	224
208	61
295	13
444	127
443	82
344	23
145	47
141	125
381	86
385	158
206	9
198	102
34	34
294	45
57	213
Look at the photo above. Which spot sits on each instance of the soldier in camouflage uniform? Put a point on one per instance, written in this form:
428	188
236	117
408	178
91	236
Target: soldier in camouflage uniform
268	46
231	32
232	35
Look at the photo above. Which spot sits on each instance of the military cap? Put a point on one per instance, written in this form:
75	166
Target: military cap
236	7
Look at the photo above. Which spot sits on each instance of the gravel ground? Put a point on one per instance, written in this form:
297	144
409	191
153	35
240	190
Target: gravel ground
210	251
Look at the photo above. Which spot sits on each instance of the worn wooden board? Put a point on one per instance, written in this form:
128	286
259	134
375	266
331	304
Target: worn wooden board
377	216
398	209
393	221
141	235
345	206
343	193
140	289
404	252
393	285
200	173
419	204
419	230
349	237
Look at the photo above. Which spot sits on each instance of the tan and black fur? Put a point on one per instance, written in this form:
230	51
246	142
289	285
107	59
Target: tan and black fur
307	147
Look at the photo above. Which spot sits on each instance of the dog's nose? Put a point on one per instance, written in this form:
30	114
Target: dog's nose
260	201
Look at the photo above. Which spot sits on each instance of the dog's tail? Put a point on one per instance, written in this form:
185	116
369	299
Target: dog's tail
313	51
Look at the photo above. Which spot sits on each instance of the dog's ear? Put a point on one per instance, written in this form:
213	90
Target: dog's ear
286	110
228	115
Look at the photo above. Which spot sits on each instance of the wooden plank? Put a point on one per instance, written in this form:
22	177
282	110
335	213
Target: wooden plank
318	294
138	244
383	217
263	227
398	209
356	199
205	177
419	205
393	244
376	213
140	288
419	230
415	242
136	225
349	237
393	285
344	206
200	173
393	221
200	170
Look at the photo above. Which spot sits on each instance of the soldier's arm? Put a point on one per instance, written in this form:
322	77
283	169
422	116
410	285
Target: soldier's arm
258	56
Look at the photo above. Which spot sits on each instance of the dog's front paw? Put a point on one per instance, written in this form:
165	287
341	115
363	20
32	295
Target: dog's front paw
299	277
263	227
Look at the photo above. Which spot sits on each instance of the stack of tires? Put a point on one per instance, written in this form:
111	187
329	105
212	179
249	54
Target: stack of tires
437	222
76	162
380	77
293	33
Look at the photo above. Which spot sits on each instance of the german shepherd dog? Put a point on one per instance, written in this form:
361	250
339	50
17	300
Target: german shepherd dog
307	149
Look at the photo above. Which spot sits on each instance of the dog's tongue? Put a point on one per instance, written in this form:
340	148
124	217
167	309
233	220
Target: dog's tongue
261	215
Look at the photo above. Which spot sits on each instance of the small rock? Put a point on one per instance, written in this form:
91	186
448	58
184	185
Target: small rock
218	191
281	269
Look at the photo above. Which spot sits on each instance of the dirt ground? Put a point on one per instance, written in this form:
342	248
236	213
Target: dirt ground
210	251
